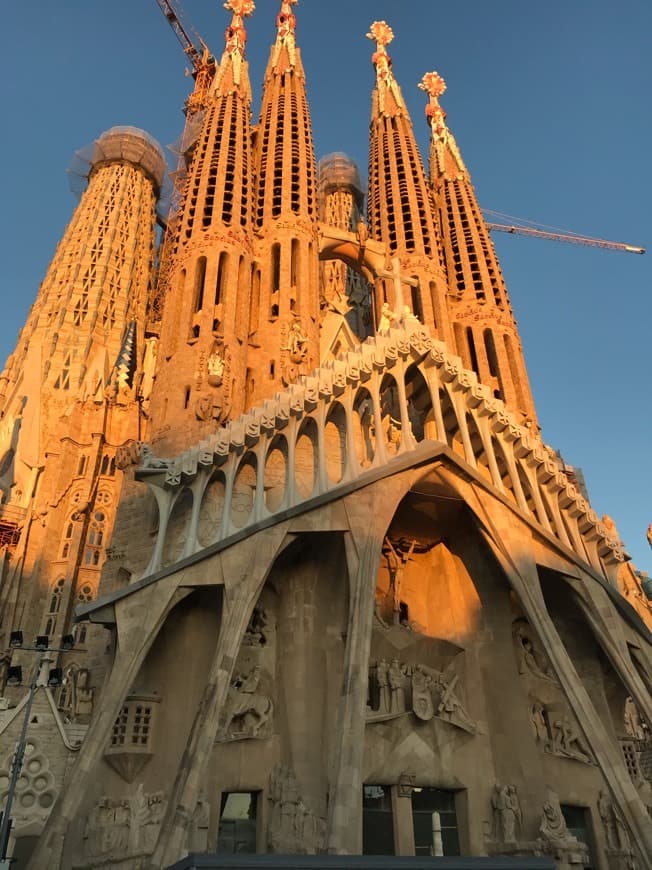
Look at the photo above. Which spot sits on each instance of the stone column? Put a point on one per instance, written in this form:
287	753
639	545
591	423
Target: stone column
138	619
245	566
370	511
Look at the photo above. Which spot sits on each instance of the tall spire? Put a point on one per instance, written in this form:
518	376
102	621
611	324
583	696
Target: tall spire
204	328
401	210
485	332
284	321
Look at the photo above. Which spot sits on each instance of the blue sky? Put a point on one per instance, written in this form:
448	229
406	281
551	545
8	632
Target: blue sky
549	104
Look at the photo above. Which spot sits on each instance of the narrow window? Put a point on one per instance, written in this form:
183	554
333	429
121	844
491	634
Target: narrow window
255	299
81	467
221	273
417	307
186	398
200	279
294	263
472	354
276	268
579	825
492	357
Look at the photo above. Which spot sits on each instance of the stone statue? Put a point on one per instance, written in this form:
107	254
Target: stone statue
606	810
215	366
387	317
149	460
247	711
84	695
293	827
539	724
553	827
198	831
450	708
632	720
531	660
396	675
567	741
255	634
382	680
507	813
297	343
409	321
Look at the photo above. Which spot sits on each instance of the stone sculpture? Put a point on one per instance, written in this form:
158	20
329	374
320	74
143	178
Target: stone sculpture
531	659
508	818
248	712
293	828
397	688
632	721
117	830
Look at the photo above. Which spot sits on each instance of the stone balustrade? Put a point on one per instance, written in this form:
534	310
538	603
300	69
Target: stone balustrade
350	417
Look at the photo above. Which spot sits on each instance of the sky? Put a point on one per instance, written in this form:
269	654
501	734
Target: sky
549	103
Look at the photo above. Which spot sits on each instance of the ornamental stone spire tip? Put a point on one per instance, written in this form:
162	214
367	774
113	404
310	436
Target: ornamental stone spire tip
286	26
382	34
235	40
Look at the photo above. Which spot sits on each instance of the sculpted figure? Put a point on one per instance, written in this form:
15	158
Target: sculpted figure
149	460
450	707
215	366
566	740
531	660
397	681
297	345
632	721
606	810
553	827
539	724
507	812
247	710
387	317
382	681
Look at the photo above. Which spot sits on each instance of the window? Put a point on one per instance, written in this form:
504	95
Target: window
54	606
200	278
276	268
95	539
132	730
237	831
67	539
81	467
377	820
221	272
425	802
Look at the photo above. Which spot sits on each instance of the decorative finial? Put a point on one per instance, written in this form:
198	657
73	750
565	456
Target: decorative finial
433	84
235	40
240	7
382	34
286	25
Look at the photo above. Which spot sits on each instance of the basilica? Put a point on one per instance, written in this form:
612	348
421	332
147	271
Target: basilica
274	500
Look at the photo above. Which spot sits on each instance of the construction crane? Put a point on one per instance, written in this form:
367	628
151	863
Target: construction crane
202	62
555	235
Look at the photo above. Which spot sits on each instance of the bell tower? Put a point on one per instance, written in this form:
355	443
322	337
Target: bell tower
401	211
484	329
284	316
202	356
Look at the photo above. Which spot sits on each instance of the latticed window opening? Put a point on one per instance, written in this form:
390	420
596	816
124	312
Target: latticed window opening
63	381
133	728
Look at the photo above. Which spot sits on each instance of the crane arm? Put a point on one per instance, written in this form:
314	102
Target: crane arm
564	237
192	52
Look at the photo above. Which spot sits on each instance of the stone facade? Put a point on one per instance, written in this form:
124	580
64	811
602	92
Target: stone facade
352	602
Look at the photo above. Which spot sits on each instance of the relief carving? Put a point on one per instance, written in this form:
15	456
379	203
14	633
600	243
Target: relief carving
293	829
117	830
248	711
508	818
619	847
634	725
555	838
558	734
397	689
531	659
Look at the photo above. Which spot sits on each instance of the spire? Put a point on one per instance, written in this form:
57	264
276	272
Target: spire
390	99
204	325
284	55
229	73
285	295
401	210
485	332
